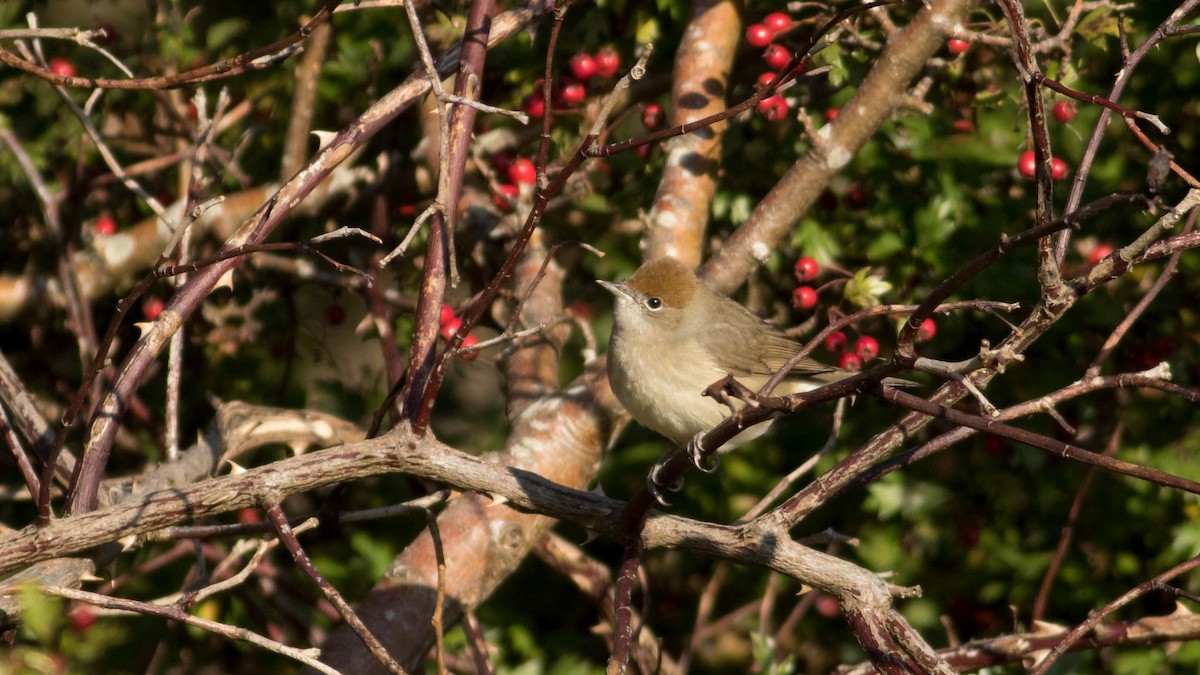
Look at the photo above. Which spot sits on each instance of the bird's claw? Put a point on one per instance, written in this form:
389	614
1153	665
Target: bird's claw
655	485
696	454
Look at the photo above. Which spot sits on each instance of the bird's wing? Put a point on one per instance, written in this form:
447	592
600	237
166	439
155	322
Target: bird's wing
767	357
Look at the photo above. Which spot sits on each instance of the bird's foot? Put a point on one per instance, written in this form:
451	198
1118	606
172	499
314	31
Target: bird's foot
655	484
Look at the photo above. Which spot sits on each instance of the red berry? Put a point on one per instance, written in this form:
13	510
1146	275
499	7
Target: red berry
522	172
249	515
777	56
583	66
806	269
450	329
964	125
447	315
849	361
927	330
608	62
1058	169
957	46
582	309
856	196
469	341
1027	164
534	105
866	347
110	34
995	446
777	22
61	66
968	535
572	93
104	225
152	307
835	342
82	618
1064	111
766	78
1100	252
759	35
501	161
335	314
804	297
832	113
774	108
503	199
652	116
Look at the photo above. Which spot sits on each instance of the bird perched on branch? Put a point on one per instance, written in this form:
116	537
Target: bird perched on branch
673	337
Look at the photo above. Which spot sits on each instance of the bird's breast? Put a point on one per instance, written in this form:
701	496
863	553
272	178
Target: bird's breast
662	389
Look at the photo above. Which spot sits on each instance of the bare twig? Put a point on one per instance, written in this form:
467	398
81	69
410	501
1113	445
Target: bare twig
273	511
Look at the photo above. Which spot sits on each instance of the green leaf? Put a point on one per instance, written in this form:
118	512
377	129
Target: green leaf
222	33
865	289
885	246
934	222
648	30
1101	22
817	240
42	614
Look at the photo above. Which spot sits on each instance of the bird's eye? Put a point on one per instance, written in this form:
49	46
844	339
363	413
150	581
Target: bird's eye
654	303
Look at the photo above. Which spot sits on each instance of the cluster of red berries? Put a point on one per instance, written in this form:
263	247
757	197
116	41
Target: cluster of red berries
572	92
1027	166
763	35
805	296
866	347
449	328
1063	111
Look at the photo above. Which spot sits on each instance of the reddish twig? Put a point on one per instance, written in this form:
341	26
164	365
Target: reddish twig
424	368
1037	441
623	606
477	643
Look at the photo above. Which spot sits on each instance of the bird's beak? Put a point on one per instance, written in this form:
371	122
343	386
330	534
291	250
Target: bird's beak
616	289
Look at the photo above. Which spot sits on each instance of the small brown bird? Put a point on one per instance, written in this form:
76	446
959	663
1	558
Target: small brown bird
673	337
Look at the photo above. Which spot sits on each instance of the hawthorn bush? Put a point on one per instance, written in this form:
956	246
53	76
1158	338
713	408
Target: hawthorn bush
298	343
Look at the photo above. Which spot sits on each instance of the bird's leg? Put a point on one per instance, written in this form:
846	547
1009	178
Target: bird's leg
696	453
